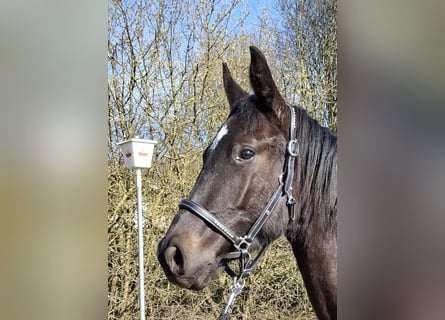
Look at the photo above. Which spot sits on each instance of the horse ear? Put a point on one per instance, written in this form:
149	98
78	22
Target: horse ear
264	86
233	91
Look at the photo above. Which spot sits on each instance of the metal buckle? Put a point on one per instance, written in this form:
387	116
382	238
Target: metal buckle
293	148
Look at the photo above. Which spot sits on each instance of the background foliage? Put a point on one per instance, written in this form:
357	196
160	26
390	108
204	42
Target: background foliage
165	83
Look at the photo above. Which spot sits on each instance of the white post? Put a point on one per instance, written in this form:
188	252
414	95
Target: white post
141	244
138	153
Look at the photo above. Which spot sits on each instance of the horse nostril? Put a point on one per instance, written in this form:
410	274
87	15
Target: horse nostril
178	259
175	260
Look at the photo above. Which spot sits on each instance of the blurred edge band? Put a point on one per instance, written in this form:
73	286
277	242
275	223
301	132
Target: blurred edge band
53	176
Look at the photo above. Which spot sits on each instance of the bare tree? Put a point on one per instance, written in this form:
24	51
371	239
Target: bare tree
308	47
164	83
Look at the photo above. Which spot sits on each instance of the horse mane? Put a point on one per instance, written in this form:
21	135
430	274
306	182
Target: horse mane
247	111
316	170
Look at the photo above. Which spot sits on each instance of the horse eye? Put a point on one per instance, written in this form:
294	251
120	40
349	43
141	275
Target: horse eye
246	154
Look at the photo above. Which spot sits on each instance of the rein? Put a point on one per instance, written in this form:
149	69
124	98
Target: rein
242	243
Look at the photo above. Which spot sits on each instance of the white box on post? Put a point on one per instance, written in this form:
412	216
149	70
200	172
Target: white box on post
137	152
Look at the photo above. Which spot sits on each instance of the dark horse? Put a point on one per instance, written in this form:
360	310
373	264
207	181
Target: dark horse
254	154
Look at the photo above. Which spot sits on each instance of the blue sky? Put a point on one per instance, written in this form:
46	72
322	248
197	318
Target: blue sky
256	8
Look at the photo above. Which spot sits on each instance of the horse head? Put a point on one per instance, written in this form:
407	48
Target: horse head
242	168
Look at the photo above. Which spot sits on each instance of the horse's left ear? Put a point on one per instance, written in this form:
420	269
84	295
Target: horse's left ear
263	85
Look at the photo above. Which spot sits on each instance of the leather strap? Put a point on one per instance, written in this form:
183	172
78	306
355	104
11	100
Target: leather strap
196	209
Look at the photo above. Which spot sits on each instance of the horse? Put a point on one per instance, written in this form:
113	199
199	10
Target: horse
271	170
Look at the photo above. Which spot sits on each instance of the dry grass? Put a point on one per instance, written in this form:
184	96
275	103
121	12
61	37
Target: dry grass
274	291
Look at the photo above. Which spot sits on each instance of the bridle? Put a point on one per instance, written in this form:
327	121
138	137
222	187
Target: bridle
242	244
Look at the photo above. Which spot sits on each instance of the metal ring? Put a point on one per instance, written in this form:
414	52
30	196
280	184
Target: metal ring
243	244
293	148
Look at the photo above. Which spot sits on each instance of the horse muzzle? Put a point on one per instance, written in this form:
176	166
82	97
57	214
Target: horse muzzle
186	264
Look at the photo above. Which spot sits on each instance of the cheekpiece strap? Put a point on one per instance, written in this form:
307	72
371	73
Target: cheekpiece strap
292	151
